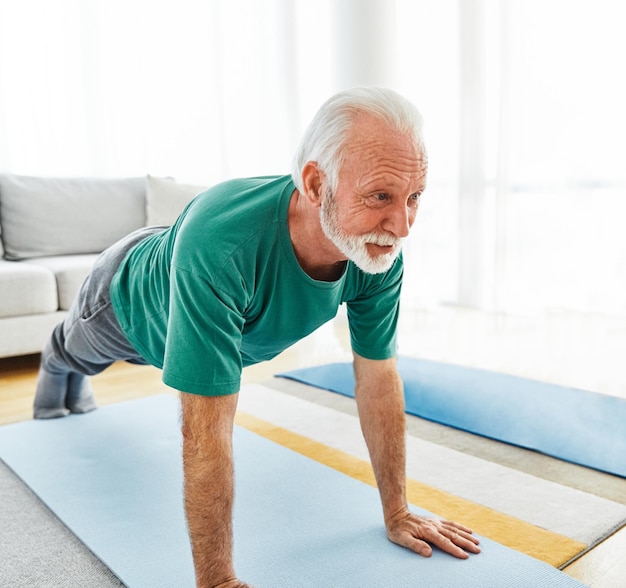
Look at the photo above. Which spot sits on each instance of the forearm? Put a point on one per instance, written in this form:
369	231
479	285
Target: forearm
208	505
208	493
380	403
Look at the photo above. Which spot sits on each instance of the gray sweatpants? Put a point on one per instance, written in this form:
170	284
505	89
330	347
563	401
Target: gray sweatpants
90	339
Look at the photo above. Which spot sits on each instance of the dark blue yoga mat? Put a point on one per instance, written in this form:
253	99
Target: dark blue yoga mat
114	477
582	427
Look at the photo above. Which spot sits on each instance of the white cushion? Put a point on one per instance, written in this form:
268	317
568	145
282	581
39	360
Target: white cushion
70	272
26	289
166	199
59	216
20	335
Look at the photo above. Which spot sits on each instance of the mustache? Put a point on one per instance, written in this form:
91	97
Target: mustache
382	239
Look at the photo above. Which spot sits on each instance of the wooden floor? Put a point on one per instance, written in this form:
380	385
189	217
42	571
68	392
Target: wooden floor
602	567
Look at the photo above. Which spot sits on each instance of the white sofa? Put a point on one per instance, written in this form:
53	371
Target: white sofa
51	231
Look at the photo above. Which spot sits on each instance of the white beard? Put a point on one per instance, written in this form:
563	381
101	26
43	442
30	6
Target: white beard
353	246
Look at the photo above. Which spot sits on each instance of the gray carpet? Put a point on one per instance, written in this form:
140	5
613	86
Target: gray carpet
38	551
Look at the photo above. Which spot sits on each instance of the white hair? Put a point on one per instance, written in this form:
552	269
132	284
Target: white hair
325	137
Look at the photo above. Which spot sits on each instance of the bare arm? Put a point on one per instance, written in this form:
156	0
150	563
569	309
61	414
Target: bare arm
207	425
380	400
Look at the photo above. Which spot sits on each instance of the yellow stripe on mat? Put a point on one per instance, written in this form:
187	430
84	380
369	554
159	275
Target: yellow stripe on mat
539	543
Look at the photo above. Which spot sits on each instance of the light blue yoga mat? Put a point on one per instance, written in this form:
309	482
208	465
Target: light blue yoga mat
114	477
574	425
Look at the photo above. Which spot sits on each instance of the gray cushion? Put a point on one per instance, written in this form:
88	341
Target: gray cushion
26	289
59	216
69	270
166	199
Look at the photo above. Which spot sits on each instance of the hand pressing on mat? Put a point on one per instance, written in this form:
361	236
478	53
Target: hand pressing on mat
380	401
419	533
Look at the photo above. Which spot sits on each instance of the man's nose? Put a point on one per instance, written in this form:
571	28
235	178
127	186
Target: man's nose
399	220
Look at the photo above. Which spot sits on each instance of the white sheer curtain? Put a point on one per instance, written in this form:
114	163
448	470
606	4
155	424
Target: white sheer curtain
558	176
523	103
197	89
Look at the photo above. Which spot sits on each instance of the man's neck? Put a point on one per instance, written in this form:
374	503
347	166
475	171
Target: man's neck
317	256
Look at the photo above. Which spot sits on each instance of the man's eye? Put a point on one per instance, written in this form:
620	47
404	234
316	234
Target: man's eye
377	199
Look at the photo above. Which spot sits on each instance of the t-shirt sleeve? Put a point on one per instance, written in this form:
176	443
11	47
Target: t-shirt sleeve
203	346
373	315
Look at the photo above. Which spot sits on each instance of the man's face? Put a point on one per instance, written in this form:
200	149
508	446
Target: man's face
377	196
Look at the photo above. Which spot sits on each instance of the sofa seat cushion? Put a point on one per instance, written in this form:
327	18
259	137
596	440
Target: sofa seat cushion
69	271
26	289
61	216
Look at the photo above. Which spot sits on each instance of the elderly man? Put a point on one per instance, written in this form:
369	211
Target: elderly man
250	267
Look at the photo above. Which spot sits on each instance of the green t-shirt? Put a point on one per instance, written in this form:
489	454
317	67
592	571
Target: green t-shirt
222	289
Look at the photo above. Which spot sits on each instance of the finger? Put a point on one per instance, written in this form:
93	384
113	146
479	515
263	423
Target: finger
451	542
452	532
457	526
463	540
448	546
405	539
463	532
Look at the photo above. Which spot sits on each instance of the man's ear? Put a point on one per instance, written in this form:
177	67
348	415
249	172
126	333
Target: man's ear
313	182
